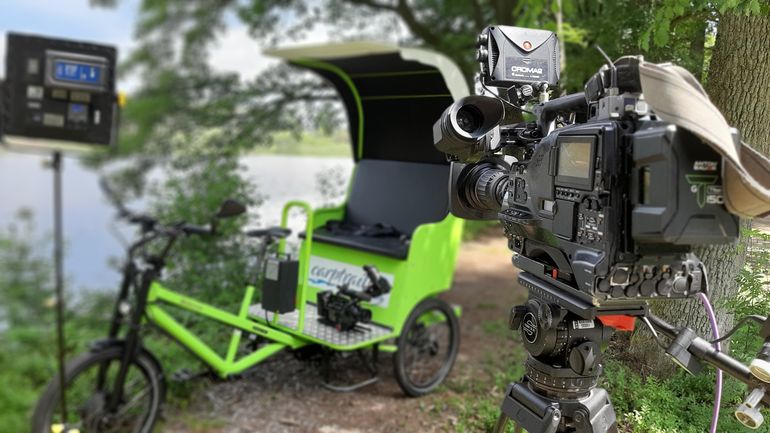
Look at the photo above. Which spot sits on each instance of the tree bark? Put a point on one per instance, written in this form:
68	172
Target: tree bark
737	84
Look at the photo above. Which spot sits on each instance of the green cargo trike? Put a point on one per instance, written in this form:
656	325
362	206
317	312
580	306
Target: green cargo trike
365	279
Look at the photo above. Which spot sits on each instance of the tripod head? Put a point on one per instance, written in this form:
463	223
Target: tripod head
564	335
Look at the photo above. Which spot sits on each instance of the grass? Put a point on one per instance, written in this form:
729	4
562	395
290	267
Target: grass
476	399
680	404
308	144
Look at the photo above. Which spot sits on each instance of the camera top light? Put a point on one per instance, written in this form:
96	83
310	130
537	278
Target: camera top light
515	56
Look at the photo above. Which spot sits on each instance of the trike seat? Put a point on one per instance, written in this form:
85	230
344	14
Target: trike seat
396	246
393	194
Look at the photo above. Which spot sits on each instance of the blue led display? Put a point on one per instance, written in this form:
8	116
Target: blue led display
65	70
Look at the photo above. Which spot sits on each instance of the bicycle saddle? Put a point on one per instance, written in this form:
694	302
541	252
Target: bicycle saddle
273	232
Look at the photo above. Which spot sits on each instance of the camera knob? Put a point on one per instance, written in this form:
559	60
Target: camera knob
482	54
647	288
584	358
526	91
483	38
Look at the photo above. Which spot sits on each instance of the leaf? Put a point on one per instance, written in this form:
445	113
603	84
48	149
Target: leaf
661	35
754	7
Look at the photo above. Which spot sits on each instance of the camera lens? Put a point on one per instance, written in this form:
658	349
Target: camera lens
469	118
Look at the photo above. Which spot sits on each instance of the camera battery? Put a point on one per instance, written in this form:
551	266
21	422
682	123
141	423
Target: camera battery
279	287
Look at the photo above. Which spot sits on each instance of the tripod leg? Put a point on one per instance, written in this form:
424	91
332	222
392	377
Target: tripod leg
502	421
517	428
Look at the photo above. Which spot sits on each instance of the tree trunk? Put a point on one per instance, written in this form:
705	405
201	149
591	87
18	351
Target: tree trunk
737	84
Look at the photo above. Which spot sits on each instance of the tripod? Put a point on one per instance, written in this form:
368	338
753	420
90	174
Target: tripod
563	336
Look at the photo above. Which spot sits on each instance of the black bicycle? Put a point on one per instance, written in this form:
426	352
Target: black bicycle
118	385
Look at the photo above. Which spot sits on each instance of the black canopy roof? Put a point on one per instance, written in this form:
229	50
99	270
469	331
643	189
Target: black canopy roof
392	95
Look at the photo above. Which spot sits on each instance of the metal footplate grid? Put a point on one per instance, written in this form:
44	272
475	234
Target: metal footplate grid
313	328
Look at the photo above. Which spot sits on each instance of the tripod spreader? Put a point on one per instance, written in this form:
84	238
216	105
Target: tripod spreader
687	349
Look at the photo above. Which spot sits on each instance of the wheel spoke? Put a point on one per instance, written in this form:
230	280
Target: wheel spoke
425	359
135	408
124	407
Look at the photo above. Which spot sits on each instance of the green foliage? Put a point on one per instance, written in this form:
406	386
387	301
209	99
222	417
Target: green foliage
681	404
27	360
753	297
25	274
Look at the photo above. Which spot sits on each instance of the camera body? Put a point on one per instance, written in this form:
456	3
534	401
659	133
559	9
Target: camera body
611	208
608	205
343	309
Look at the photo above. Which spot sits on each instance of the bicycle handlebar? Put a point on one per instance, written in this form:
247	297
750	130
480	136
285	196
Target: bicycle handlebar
192	229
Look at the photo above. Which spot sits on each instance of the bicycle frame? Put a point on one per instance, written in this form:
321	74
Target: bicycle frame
224	365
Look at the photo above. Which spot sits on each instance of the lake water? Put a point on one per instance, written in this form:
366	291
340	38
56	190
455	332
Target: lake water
89	223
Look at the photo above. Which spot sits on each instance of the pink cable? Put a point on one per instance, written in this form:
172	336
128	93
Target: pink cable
715	332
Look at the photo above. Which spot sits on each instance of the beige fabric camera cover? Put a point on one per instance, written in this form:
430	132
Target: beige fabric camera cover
677	97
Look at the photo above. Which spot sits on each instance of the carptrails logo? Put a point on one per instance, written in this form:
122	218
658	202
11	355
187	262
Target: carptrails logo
327	274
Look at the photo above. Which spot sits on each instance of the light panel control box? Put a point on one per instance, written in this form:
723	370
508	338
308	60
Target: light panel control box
59	90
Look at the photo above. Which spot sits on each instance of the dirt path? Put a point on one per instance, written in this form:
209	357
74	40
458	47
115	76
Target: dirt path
285	395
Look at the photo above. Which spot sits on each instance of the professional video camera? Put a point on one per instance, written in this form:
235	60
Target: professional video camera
343	309
606	206
602	195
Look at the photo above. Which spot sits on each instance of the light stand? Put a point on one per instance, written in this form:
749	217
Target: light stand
58	256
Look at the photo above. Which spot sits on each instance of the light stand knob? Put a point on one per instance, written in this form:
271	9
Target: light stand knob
760	368
748	412
749	416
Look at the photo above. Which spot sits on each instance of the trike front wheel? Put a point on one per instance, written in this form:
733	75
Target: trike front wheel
427	347
89	381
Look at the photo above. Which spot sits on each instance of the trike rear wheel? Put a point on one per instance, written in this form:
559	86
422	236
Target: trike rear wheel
427	347
88	380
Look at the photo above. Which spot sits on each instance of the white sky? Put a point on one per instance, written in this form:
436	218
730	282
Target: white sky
235	50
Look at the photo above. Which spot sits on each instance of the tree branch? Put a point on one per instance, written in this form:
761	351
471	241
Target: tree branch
504	11
405	12
374	4
419	29
478	15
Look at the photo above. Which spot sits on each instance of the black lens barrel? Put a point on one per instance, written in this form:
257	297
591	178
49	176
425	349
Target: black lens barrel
484	186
